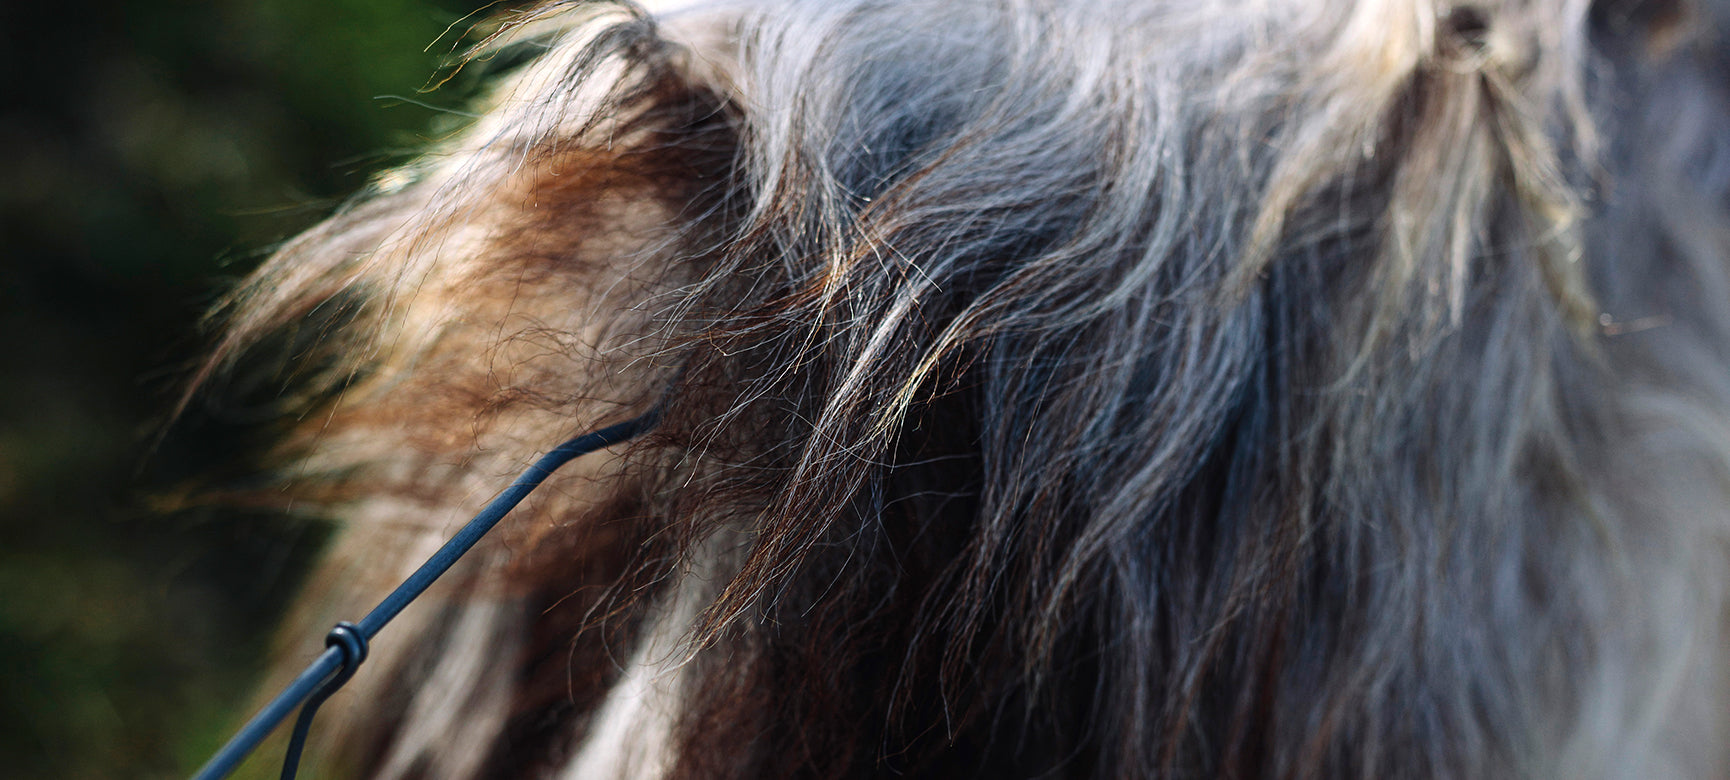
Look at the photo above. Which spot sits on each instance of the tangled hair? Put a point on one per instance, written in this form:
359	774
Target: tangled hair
1250	388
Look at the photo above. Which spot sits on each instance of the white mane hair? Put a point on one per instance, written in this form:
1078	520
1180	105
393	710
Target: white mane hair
1153	388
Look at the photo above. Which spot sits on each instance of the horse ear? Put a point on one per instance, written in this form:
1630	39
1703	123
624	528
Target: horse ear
564	153
585	173
493	297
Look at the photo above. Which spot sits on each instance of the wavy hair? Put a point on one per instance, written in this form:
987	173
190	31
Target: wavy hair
1249	388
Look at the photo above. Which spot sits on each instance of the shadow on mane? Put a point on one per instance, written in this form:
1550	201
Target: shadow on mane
1126	389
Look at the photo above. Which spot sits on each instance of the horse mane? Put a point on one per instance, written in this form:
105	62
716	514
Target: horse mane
1120	389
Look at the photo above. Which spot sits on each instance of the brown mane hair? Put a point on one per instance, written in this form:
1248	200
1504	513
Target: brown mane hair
1127	389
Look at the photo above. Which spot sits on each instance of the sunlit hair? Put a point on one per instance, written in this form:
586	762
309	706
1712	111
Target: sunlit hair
1094	389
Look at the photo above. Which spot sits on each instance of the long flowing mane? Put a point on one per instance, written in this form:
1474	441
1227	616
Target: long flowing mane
1114	389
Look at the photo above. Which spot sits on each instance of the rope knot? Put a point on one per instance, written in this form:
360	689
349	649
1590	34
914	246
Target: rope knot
346	636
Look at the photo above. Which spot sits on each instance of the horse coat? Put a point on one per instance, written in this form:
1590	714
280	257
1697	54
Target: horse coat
1244	388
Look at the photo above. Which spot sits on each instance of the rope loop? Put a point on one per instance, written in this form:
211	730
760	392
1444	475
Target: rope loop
346	644
349	641
346	636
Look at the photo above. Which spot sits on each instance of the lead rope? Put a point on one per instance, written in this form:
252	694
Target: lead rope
346	644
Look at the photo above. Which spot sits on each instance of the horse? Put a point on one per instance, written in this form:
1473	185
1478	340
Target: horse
1137	388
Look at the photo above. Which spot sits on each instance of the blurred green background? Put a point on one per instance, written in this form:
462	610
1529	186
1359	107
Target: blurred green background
150	153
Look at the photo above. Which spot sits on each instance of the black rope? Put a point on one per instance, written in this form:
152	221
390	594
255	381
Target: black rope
347	640
346	644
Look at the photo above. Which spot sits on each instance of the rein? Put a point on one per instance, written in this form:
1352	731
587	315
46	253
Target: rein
346	644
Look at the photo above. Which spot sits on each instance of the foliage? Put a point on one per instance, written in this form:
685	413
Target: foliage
152	152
